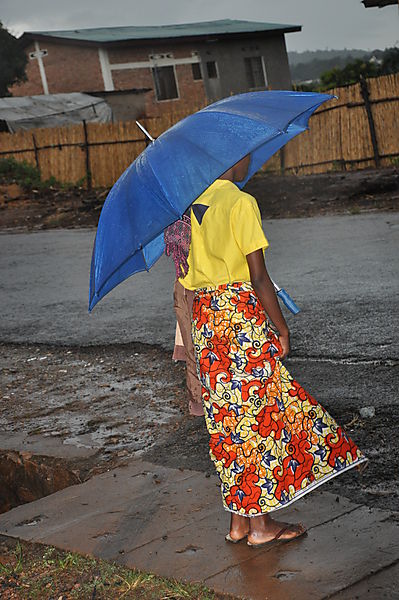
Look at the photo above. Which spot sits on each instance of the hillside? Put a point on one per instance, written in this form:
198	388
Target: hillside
311	64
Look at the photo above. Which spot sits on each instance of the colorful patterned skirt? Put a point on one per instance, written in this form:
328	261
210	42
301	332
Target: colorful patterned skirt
270	441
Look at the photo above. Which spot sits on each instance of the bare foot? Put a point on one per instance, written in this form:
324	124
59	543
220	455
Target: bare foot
264	529
239	528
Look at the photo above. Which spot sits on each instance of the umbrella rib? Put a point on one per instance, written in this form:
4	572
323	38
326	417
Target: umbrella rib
118	267
310	108
161	186
239	115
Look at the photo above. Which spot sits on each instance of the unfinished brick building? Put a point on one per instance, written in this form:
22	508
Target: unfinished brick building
183	66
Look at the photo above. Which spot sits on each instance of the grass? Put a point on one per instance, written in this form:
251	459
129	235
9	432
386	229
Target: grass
28	176
36	572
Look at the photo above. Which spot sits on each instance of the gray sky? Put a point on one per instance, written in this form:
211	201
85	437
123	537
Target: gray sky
326	23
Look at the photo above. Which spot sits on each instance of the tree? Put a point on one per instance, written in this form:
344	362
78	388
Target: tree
379	63
390	61
13	61
351	73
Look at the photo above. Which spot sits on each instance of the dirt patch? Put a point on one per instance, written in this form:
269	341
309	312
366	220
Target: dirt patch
50	209
25	478
328	193
278	197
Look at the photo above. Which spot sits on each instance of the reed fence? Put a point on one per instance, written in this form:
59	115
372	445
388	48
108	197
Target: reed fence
358	130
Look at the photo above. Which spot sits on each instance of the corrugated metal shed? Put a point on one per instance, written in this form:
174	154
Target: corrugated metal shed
118	34
53	110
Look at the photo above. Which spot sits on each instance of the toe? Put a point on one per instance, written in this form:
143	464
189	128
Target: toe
294	531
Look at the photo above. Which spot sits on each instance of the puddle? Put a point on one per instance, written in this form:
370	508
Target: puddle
33	521
190	549
285	575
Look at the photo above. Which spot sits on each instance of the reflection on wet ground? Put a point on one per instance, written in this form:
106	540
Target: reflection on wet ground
78	402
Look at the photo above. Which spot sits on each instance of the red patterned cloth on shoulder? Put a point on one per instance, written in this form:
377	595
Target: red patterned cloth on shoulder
177	244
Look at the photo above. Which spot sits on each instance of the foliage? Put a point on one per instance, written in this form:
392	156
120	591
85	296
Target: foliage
13	61
308	66
23	173
306	87
335	70
390	61
37	573
351	73
313	69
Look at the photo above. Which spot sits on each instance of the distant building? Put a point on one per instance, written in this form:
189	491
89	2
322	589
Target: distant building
184	66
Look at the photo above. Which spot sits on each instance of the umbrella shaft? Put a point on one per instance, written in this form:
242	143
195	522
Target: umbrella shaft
143	129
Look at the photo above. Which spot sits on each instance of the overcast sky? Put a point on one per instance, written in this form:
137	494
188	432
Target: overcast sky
326	23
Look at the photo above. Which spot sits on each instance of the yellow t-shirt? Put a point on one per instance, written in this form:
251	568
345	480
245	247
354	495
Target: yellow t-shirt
227	227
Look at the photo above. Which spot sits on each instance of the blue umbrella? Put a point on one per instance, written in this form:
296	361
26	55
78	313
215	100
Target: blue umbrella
178	166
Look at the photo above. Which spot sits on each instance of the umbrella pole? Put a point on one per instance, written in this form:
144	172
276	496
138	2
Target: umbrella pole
143	129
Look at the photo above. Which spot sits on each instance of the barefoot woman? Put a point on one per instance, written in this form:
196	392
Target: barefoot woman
270	441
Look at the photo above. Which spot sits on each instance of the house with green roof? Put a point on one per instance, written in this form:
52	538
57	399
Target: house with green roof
181	66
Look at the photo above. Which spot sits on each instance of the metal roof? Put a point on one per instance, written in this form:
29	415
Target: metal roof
379	3
206	28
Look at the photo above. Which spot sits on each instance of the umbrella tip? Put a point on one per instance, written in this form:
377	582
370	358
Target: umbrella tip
143	129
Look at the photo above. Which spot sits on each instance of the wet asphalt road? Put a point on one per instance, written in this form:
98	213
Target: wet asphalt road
340	269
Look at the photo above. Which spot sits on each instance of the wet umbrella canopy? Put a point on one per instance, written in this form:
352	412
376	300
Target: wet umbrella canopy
177	167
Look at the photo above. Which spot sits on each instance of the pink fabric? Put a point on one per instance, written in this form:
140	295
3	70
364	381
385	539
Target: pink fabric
177	244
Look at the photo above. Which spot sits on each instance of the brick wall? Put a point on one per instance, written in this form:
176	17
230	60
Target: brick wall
72	68
191	92
68	69
34	85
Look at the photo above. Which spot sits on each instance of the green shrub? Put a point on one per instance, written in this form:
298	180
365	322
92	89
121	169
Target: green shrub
26	175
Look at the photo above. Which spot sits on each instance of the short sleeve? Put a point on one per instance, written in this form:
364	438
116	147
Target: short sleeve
246	225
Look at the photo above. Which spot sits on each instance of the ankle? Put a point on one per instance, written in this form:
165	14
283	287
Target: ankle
239	524
259	524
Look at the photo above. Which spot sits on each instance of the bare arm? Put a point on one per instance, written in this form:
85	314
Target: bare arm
264	289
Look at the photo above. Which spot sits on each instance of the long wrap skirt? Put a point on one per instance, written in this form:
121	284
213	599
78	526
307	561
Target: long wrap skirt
270	441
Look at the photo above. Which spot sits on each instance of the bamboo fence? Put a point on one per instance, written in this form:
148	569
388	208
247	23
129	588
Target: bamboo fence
359	129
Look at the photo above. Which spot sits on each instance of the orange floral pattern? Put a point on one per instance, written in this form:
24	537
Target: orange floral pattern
270	441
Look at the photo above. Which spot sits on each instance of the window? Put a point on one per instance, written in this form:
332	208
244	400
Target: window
254	72
165	83
196	69
211	69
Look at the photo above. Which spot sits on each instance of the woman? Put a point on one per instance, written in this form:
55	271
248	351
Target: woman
270	441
